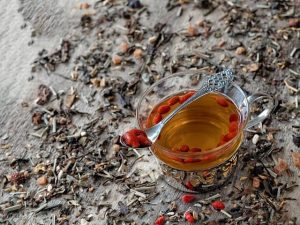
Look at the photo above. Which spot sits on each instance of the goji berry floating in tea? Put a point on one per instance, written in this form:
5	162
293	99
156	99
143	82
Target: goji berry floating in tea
222	101
233	117
188	141
136	138
184	148
195	150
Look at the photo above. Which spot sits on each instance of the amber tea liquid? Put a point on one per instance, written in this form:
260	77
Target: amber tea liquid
190	139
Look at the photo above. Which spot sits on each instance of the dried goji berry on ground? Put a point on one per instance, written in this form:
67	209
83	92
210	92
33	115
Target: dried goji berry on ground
160	220
189	217
188	198
218	205
189	185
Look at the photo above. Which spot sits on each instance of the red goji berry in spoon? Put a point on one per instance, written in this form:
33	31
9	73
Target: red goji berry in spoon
163	109
136	138
173	100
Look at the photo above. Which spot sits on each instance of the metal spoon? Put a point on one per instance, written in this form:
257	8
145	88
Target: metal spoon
211	83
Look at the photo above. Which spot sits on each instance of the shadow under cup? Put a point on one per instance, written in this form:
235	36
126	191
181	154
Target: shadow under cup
212	167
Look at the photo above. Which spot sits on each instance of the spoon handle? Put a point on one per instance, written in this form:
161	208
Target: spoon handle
212	83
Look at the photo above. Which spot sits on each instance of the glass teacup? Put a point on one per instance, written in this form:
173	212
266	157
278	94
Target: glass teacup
203	170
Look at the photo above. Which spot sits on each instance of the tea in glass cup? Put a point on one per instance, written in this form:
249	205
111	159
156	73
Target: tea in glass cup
197	149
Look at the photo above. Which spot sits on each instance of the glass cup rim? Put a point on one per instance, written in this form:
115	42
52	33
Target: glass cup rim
189	154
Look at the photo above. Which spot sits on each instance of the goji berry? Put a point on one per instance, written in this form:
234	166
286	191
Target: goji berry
128	138
185	97
218	205
160	220
136	138
184	148
137	132
188	216
189	185
188	198
176	159
191	160
173	100
233	126
195	150
222	101
229	136
144	141
135	143
209	157
163	109
233	117
222	141
157	118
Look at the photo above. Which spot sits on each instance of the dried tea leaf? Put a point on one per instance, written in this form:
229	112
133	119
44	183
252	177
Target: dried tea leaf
240	51
36	118
96	82
123	208
44	94
70	99
39	168
296	159
281	166
253	67
256	182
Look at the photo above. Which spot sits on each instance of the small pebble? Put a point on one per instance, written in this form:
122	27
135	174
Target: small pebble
138	53
49	187
123	47
192	31
42	181
116	148
117	60
84	5
255	139
240	51
152	40
256	182
295	22
253	67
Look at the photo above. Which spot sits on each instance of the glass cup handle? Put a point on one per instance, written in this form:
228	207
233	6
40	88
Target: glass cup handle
265	113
